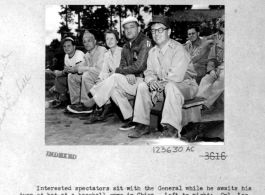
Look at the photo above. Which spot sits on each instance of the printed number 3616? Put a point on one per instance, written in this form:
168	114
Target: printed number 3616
215	156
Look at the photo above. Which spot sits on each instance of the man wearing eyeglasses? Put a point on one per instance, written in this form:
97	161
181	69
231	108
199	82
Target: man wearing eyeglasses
169	77
198	48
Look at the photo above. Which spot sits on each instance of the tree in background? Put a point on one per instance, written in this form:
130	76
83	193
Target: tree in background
55	44
66	14
63	28
100	17
78	10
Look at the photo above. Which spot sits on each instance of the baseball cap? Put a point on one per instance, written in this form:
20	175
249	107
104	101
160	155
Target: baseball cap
129	19
160	19
68	39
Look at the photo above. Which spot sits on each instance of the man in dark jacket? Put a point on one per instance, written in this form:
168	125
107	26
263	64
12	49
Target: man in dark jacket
127	76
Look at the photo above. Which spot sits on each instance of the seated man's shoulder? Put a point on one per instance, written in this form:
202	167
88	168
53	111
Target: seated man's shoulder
206	42
212	36
101	48
152	50
187	43
144	40
175	44
79	52
106	54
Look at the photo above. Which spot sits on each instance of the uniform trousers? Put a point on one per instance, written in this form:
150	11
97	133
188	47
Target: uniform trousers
173	97
117	87
60	84
82	82
211	87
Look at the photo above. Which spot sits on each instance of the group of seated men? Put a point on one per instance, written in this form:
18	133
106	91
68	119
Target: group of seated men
167	71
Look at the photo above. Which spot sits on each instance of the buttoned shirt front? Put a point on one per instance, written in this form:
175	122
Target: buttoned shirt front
110	63
171	63
199	52
93	60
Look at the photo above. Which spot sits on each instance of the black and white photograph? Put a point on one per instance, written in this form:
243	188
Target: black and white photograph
132	97
134	74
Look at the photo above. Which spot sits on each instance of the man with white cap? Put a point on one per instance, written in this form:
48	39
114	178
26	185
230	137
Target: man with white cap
169	77
127	76
88	72
72	58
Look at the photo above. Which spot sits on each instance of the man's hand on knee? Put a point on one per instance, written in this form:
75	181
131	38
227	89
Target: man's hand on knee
58	73
154	85
131	79
218	71
98	81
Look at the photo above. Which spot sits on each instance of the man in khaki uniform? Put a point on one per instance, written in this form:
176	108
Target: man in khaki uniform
88	72
212	85
198	48
169	77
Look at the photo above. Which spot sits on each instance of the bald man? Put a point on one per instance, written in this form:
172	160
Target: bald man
88	72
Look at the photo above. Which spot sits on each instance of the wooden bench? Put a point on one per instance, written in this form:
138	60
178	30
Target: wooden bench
191	110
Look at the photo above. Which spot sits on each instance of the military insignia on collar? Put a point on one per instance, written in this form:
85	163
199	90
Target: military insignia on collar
134	56
148	43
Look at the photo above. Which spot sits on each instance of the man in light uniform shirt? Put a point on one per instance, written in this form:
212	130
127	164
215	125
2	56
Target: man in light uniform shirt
170	75
111	61
198	48
88	72
212	85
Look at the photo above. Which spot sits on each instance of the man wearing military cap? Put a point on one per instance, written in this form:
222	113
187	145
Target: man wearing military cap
88	72
127	76
169	77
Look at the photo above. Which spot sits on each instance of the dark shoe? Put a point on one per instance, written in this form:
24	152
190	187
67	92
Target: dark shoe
78	109
93	119
140	130
67	113
84	116
191	135
129	124
73	115
169	131
108	112
60	104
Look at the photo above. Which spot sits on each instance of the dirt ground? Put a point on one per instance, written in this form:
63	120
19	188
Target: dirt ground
65	130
